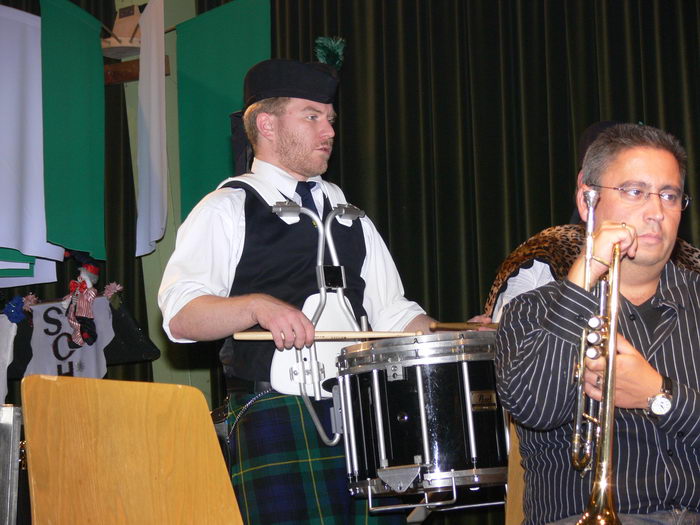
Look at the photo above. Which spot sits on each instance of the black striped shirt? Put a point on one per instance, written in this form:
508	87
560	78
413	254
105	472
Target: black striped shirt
657	461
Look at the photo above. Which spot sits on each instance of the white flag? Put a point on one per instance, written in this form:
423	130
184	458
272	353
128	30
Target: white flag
21	137
152	161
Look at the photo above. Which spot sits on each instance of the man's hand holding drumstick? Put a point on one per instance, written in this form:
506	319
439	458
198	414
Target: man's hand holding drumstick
481	323
276	316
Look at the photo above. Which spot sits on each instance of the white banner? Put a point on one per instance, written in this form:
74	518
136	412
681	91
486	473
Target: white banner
51	353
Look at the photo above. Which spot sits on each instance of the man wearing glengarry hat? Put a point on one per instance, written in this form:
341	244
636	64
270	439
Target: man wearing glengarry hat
237	265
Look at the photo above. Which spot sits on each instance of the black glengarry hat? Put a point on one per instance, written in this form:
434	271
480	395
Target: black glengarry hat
290	78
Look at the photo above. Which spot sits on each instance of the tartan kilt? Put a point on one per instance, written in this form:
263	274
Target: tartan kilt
283	473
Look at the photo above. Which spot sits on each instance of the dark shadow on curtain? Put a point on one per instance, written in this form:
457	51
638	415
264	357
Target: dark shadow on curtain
202	6
120	213
30	6
120	224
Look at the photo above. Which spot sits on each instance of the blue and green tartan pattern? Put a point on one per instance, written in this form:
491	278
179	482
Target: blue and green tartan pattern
283	473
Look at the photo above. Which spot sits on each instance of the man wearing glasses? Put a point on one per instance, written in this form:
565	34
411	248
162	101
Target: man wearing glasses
639	173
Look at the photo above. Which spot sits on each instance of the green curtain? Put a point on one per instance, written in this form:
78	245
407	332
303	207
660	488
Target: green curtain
120	213
459	121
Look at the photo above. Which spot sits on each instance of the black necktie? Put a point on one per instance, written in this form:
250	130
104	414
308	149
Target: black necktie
304	191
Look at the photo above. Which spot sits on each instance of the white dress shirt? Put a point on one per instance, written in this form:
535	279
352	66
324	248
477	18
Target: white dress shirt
210	243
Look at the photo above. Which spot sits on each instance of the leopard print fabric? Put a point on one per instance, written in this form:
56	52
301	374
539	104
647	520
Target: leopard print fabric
558	247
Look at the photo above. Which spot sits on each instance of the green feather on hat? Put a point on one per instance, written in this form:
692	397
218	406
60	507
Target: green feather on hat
329	50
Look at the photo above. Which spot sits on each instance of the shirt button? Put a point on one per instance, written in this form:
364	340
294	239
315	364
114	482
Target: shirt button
633	317
670	453
680	434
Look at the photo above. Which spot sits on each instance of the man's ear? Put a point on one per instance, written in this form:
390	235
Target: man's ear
580	201
266	125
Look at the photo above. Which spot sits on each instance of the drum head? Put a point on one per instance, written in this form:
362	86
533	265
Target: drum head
423	349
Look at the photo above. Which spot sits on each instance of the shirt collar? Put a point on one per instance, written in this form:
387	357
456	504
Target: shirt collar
673	289
282	180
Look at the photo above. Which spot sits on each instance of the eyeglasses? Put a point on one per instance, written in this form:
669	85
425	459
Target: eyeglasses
671	199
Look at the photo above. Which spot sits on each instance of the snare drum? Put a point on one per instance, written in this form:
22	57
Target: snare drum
421	415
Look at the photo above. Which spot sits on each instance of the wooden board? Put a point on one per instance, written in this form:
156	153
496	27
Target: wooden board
515	514
104	452
127	71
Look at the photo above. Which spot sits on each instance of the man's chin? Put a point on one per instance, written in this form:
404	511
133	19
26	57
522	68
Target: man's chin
651	257
315	170
320	169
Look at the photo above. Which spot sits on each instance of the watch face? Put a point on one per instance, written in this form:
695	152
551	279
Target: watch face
660	405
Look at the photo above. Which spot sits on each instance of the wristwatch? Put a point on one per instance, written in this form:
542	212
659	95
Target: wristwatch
661	403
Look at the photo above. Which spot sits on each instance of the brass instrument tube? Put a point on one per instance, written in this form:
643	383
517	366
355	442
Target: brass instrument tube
599	427
582	448
601	507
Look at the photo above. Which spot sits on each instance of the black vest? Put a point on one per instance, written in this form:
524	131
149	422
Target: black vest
279	259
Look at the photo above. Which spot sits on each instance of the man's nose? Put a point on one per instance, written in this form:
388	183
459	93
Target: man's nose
654	207
328	130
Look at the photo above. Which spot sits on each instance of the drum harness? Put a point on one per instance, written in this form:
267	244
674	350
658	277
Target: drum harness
327	277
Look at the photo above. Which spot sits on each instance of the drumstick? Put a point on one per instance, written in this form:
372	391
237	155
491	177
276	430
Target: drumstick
462	326
327	336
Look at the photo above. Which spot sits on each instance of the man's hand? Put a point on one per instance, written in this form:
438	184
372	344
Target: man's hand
635	379
608	234
208	318
478	322
288	325
482	319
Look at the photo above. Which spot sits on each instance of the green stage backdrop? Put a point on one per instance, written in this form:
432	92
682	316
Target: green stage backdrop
214	52
74	127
